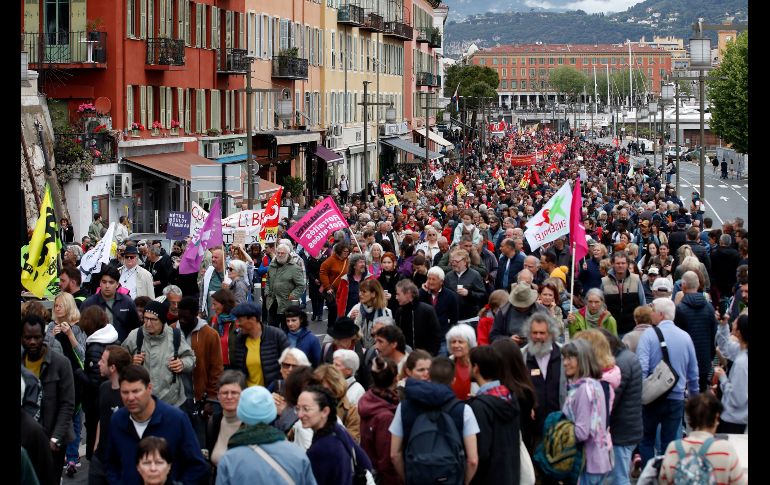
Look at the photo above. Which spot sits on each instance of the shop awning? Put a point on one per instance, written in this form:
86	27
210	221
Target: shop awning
435	137
360	148
330	156
410	147
176	164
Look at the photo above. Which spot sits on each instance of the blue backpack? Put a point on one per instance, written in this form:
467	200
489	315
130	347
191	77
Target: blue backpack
434	451
693	468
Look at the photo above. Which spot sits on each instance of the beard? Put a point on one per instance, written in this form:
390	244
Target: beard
540	349
282	260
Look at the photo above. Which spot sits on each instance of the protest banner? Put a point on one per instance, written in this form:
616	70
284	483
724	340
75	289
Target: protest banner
92	261
312	230
178	225
197	217
210	236
249	220
390	197
39	266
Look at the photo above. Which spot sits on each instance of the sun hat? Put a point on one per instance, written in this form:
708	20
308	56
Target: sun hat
522	295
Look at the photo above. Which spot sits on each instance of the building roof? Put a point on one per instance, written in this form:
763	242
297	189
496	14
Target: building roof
569	49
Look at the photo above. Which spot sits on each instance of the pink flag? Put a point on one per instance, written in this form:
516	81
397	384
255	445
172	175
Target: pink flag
209	236
577	232
312	230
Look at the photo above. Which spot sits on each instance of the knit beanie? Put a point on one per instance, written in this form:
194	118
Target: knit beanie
256	406
157	309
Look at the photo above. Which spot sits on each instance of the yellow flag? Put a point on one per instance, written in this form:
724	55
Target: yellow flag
39	265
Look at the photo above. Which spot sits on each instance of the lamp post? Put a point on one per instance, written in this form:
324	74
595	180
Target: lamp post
666	96
676	139
700	59
366	103
652	109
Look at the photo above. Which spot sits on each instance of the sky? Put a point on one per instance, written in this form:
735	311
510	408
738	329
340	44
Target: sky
588	6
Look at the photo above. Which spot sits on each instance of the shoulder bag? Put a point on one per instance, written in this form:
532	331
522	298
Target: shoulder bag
663	377
273	464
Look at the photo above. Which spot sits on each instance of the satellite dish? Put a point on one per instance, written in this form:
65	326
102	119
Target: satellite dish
103	105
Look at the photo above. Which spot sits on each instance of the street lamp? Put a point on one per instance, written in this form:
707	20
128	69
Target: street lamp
666	96
700	59
652	107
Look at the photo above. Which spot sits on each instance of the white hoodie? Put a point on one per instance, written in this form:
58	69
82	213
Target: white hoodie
105	335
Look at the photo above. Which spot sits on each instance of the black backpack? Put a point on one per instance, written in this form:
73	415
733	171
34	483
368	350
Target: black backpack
434	451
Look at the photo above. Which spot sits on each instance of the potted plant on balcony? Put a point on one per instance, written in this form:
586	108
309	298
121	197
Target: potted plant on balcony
94	27
156	126
213	132
175	125
136	128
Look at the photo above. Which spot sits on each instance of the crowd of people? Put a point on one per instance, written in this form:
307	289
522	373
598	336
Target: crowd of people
446	348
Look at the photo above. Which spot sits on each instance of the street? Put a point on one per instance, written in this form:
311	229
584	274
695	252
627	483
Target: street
725	199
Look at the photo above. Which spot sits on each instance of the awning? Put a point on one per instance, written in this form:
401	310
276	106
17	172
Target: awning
176	164
436	138
299	138
410	147
330	156
360	148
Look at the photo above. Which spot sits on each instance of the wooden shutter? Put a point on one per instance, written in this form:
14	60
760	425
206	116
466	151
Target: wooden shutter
129	106
162	106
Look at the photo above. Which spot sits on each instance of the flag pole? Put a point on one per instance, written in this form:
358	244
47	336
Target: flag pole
572	280
356	240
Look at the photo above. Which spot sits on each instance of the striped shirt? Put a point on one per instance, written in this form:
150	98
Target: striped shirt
721	454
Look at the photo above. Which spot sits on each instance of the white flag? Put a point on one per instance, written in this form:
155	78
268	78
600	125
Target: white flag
552	221
92	261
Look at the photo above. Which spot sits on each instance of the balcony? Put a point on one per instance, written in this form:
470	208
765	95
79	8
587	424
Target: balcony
373	22
165	54
425	79
436	81
67	50
423	35
434	39
350	15
286	67
399	30
232	61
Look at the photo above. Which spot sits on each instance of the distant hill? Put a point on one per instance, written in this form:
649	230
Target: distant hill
648	18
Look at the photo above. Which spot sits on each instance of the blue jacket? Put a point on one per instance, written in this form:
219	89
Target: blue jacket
695	315
591	277
189	466
517	264
681	354
123	312
330	457
447	307
242	465
309	344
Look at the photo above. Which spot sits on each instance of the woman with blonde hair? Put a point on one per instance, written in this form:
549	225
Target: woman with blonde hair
604	357
371	305
374	260
497	299
332	379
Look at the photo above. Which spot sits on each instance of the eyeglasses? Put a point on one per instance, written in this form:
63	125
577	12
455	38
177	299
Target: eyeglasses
286	365
458	260
151	319
305	409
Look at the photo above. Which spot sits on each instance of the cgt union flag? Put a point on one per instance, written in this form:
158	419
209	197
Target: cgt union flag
552	221
269	231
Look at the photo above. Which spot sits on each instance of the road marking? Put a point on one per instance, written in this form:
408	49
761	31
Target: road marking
723	186
724	198
746	185
709	186
737	186
711	206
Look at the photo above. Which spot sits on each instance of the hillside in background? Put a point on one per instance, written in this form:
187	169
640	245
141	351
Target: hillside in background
648	18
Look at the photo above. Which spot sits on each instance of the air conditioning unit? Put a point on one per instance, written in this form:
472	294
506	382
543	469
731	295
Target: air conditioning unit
338	130
121	185
211	150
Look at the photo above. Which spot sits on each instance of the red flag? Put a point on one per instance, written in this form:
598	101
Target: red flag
577	232
552	168
535	177
272	215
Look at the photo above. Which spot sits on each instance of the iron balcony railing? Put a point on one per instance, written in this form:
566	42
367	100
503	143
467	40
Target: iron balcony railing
434	39
65	47
424	79
232	61
350	14
162	51
423	35
374	22
399	30
289	67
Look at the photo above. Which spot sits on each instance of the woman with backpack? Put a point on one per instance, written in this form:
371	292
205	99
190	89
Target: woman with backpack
586	406
694	458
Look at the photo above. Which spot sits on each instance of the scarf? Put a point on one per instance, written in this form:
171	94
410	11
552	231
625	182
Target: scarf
596	398
257	434
592	319
221	322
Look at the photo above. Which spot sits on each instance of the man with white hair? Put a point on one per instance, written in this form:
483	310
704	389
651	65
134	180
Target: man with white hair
666	411
347	362
695	315
285	283
542	356
445	302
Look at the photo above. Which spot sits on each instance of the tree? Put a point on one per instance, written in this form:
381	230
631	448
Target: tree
474	81
728	94
568	81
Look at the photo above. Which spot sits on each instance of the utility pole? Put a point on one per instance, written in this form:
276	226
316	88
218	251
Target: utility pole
249	156
366	103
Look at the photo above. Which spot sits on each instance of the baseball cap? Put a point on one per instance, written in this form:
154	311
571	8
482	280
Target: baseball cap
653	270
663	284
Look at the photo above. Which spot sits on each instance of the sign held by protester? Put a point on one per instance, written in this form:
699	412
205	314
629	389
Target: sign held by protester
390	197
178	225
312	231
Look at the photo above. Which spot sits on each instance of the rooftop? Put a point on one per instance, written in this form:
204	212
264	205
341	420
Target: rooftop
569	49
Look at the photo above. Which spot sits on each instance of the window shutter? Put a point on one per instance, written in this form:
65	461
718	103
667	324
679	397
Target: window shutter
242	27
151	33
143	19
169	107
162	105
129	106
187	109
180	104
143	105
203	27
187	36
130	18
162	18
150	105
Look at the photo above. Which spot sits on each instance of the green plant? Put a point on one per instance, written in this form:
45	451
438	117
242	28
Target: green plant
292	52
72	160
213	132
94	25
295	185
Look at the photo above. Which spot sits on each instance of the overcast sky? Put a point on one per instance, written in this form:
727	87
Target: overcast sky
589	6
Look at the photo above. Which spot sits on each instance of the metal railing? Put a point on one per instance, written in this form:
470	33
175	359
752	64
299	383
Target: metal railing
230	60
399	30
423	35
162	51
350	14
374	21
64	47
425	79
289	67
434	39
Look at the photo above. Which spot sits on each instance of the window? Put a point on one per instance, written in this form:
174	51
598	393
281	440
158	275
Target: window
542	61
532	72
333	56
216	110
198	24
514	84
494	61
523	84
513	61
505	61
603	60
523	72
572	60
129	106
541	72
532	61
130	19
162	106
284	36
561	61
481	62
143	19
143	105
150	105
216	34
321	48
203	27
505	72
187	31
649	72
551	61
503	84
199	100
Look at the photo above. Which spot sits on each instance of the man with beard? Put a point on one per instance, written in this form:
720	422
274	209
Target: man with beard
285	282
542	356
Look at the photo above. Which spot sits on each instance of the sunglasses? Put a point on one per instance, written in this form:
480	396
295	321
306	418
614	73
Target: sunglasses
131	256
230	268
141	245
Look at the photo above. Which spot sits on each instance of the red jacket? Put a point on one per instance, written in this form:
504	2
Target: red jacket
376	415
484	327
342	294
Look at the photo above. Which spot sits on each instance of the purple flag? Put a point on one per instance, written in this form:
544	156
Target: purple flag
209	236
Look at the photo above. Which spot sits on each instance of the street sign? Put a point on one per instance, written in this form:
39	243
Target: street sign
208	178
